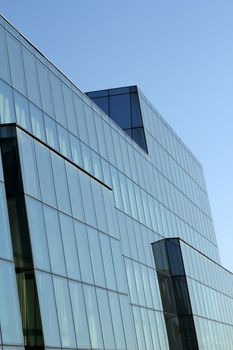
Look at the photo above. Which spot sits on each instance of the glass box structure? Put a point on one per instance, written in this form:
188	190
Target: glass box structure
106	240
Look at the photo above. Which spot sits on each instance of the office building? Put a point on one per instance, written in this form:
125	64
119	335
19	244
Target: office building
106	239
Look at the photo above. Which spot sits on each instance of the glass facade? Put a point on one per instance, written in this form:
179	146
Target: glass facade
87	185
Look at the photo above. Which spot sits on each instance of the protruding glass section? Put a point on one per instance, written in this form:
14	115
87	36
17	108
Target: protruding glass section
175	295
122	106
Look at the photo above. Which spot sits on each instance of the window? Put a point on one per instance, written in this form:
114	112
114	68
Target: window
7	112
70	109
61	186
106	321
38	234
58	99
22	111
37	119
4	67
28	160
108	262
70	249
31	77
83	251
45	174
93	317
80	315
9	308
45	89
64	312
54	241
75	191
117	320
16	64
96	257
48	309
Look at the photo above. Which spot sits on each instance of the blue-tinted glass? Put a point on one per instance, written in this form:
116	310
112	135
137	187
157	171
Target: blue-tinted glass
31	77
58	99
70	249
54	241
5	240
64	312
61	186
4	66
103	103
16	64
93	317
9	306
37	119
120	110
51	132
48	309
7	111
80	315
84	252
45	89
38	234
45	174
22	111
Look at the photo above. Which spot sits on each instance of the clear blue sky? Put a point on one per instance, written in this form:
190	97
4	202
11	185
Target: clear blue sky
179	52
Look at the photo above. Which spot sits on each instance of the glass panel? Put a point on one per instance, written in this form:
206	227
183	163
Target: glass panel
96	257
128	323
31	77
61	186
80	316
7	112
45	89
117	320
76	150
9	307
88	202
118	264
51	132
58	99
70	109
37	119
64	141
70	249
4	66
99	206
106	320
45	174
83	251
93	317
29	169
82	126
38	234
75	192
108	262
48	309
139	329
5	240
146	327
64	312
22	111
16	64
54	241
120	110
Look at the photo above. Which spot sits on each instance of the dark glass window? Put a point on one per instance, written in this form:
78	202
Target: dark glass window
168	300
102	103
120	110
136	112
175	258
